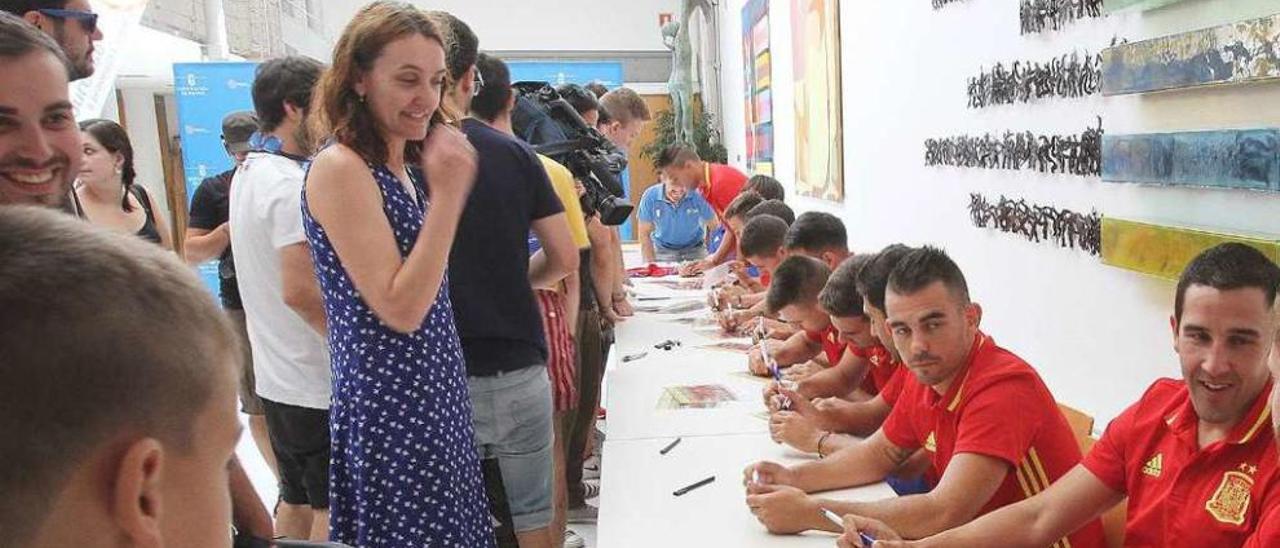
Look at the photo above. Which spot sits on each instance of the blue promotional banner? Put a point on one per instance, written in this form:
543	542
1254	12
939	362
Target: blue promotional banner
608	73
205	93
555	73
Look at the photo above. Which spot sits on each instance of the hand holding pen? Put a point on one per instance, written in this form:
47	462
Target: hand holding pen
774	370
864	540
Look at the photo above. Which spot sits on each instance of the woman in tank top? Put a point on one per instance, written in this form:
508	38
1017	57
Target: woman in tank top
106	193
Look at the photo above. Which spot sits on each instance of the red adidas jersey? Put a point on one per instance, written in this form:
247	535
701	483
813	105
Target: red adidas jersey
721	184
1180	494
832	346
880	366
997	407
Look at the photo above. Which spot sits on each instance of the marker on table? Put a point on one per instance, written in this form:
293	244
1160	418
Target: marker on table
669	446
686	489
867	540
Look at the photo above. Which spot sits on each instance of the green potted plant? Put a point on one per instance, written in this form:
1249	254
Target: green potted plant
706	138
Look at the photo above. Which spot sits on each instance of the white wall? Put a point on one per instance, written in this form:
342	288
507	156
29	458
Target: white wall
147	69
518	25
305	40
1098	335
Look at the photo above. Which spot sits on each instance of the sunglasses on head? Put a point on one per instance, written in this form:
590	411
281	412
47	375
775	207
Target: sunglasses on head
88	20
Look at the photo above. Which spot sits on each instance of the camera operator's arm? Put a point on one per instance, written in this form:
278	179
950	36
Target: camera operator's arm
601	267
620	280
573	299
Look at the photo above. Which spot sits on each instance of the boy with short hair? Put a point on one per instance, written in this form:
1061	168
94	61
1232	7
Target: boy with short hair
112	432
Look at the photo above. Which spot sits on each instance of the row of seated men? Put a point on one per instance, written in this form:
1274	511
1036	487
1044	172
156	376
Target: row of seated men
882	369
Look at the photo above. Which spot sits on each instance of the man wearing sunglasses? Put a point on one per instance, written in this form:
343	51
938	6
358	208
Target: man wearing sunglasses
72	23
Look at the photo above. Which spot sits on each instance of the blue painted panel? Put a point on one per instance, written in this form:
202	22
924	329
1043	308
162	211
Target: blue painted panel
1240	159
608	73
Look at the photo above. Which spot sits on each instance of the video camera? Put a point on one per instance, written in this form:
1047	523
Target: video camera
550	124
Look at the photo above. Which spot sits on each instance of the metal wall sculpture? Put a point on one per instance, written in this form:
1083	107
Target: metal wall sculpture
1248	51
1117	5
1040	15
1074	154
1069	76
1062	227
1242	159
1164	251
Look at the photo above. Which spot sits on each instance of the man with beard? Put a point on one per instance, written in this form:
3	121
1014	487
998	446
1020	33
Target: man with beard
281	297
39	138
72	23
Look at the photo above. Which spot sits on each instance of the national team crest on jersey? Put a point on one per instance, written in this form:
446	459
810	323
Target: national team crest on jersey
1230	502
876	359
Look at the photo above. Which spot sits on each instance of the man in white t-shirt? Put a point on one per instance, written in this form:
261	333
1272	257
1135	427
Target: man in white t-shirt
281	297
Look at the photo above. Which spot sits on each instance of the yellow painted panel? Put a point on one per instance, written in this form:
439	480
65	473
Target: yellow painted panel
1164	251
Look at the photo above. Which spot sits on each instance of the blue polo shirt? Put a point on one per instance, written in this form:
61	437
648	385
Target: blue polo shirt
675	226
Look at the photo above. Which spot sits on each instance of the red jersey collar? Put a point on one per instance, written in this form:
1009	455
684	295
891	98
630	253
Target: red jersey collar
956	392
1185	422
818	336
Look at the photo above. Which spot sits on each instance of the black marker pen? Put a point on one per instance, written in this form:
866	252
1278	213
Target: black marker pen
684	490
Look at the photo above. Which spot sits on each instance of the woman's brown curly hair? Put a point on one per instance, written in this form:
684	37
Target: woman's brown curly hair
339	111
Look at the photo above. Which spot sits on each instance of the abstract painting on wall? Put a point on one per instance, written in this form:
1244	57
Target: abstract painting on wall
1243	159
1117	5
815	35
757	65
1164	251
1248	51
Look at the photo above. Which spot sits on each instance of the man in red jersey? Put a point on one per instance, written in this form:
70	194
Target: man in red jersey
992	431
718	183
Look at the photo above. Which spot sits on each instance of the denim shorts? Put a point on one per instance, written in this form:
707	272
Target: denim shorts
513	422
691	253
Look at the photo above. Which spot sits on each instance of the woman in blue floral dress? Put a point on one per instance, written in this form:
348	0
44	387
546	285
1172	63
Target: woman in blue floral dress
404	469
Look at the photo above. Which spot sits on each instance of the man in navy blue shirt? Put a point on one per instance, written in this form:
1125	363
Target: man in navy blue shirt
491	281
673	224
